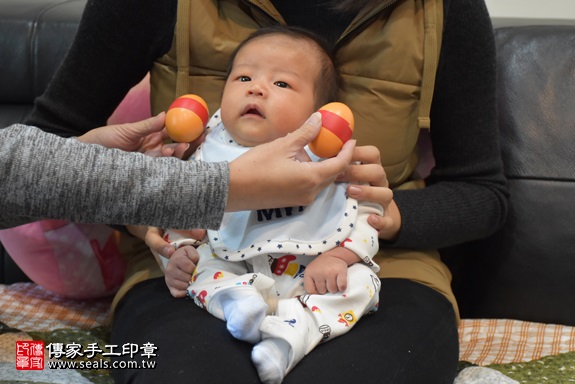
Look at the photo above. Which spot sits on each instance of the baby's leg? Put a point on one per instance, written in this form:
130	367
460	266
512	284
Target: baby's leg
287	338
229	292
301	324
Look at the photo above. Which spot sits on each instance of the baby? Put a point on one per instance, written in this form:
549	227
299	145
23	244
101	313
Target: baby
284	279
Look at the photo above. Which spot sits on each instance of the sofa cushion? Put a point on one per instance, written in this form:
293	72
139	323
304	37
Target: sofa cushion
34	38
526	270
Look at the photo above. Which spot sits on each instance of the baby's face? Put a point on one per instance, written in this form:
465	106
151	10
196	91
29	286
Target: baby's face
270	91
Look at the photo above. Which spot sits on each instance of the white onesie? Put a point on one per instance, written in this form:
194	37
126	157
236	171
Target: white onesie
268	250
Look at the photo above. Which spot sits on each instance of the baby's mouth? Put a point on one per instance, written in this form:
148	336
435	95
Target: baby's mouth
252	111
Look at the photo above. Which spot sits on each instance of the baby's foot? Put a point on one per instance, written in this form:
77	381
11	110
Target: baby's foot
244	316
270	357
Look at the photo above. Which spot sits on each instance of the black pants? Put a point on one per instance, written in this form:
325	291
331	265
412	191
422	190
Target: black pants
411	339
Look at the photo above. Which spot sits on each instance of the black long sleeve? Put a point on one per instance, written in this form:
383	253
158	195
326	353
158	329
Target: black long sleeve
466	197
116	43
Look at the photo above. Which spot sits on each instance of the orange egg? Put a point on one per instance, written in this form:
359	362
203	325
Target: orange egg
337	128
186	118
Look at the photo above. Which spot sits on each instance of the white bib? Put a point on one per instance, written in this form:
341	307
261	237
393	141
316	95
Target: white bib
310	230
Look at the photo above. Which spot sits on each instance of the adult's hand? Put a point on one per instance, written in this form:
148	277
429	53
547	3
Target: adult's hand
280	173
367	170
146	136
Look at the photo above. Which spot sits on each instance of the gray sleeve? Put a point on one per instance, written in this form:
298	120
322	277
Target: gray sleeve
45	176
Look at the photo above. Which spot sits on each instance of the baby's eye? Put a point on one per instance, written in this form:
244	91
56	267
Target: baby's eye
244	78
282	84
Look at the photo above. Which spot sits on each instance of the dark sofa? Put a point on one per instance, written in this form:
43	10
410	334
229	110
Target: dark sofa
34	38
526	270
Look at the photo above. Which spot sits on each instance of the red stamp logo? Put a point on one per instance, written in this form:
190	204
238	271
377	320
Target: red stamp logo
30	355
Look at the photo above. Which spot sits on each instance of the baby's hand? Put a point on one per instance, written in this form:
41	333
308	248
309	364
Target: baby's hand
328	272
161	244
179	270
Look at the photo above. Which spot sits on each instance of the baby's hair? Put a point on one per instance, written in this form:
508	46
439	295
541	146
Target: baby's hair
327	83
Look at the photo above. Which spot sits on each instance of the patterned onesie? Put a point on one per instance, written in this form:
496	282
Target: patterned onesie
268	250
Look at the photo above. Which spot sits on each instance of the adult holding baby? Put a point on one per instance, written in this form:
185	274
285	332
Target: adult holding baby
387	52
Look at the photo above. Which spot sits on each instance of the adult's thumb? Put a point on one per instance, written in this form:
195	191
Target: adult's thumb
308	131
150	125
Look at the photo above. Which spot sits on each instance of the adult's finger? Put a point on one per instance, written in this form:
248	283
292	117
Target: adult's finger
147	126
380	195
307	132
366	167
366	154
337	165
372	174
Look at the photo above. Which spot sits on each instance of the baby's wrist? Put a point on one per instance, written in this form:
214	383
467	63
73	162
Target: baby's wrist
345	254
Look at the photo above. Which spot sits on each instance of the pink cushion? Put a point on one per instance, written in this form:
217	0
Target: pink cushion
135	106
76	260
72	260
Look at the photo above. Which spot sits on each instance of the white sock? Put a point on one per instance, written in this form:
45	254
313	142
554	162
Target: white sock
271	358
244	315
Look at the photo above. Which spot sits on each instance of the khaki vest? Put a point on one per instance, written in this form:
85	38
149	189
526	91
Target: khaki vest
387	58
